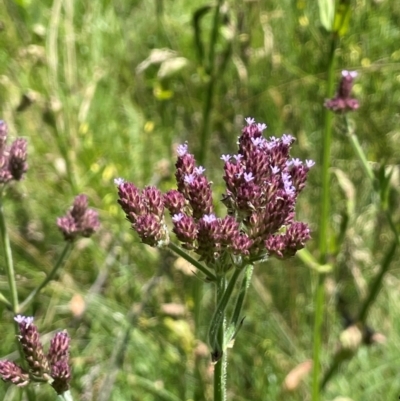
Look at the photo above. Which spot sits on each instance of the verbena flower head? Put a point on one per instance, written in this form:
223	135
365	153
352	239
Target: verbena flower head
13	163
53	367
11	372
343	101
262	186
79	220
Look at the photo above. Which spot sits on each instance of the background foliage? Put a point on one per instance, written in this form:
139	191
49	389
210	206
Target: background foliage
107	89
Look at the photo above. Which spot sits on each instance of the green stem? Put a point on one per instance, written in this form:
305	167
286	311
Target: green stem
49	277
9	266
179	251
323	225
220	365
326	161
208	104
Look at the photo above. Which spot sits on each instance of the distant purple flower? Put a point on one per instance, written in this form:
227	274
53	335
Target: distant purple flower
343	101
17	159
79	220
13	163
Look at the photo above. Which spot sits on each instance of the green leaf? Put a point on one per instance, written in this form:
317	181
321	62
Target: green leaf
342	17
326	13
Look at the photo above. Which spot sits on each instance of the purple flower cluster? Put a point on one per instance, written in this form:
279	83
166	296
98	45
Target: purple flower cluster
13	163
343	102
52	367
145	210
79	220
262	185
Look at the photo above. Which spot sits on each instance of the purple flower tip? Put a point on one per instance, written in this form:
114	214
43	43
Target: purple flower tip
275	169
261	127
225	158
257	141
248	177
287	139
209	218
182	149
189	178
27	320
294	162
310	163
199	170
250	120
177	217
346	73
118	181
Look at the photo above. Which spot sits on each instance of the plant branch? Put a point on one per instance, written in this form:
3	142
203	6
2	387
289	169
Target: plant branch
48	278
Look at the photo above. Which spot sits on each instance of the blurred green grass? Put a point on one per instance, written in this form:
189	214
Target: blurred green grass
92	116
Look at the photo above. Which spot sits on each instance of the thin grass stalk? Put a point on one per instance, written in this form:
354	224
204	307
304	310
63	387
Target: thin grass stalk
323	226
355	143
119	352
377	283
366	305
9	264
10	273
54	89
